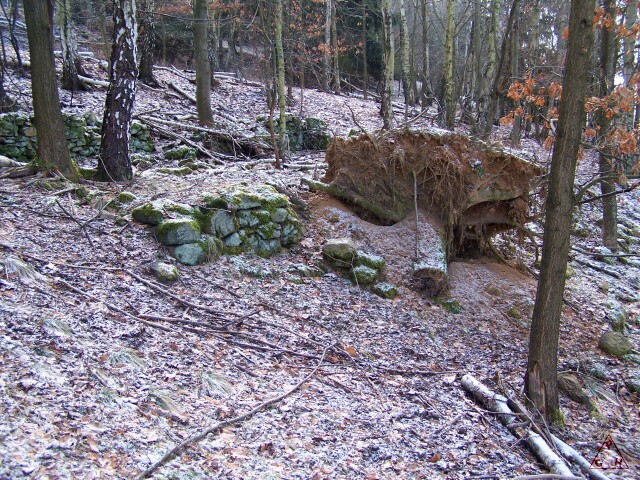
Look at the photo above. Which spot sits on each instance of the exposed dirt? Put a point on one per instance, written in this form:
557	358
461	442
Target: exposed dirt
90	392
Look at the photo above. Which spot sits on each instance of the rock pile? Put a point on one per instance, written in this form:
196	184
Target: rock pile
304	134
18	136
362	268
239	219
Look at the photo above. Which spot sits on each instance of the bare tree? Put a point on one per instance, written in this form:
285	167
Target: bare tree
541	382
203	66
146	41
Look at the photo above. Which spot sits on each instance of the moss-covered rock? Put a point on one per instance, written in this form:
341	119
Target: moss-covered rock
291	233
243	197
178	231
633	382
125	197
150	213
165	272
369	260
363	275
180	171
450	305
190	254
385	290
181	152
615	343
617	316
339	252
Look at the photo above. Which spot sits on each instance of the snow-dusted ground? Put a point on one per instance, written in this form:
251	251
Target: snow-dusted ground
89	392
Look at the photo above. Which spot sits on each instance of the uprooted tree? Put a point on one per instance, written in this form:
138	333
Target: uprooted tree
468	189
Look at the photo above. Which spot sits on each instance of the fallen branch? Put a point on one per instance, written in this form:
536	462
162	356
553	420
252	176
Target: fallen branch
598	268
184	94
352	198
536	443
225	423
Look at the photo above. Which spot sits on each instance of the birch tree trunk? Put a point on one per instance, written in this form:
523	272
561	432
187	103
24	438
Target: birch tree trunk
406	59
388	65
53	150
114	163
607	73
70	59
146	41
203	66
541	383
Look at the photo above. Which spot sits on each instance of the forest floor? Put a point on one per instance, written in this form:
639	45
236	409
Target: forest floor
88	391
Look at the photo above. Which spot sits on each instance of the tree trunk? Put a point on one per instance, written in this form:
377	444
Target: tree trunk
283	140
541	377
326	65
70	58
608	55
203	67
335	51
53	150
146	41
448	113
388	65
114	163
365	73
631	16
495	88
427	90
406	59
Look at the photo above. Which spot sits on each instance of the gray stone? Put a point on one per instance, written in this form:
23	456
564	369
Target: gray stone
306	271
385	290
615	343
222	223
291	233
633	382
363	275
369	259
617	316
190	254
339	252
279	215
178	231
165	272
263	248
233	240
252	218
599	370
269	231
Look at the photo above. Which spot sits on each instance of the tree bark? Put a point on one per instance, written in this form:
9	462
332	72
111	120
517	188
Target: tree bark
283	139
607	73
335	50
388	65
406	59
114	163
203	67
541	377
448	112
70	58
326	66
146	41
365	73
427	90
53	150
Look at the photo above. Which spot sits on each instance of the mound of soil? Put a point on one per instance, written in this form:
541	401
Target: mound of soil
473	189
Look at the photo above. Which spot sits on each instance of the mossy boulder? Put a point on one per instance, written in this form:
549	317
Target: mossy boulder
178	231
363	275
385	290
190	254
165	272
291	233
180	171
150	213
633	382
339	252
369	260
243	197
125	197
617	316
181	152
615	343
